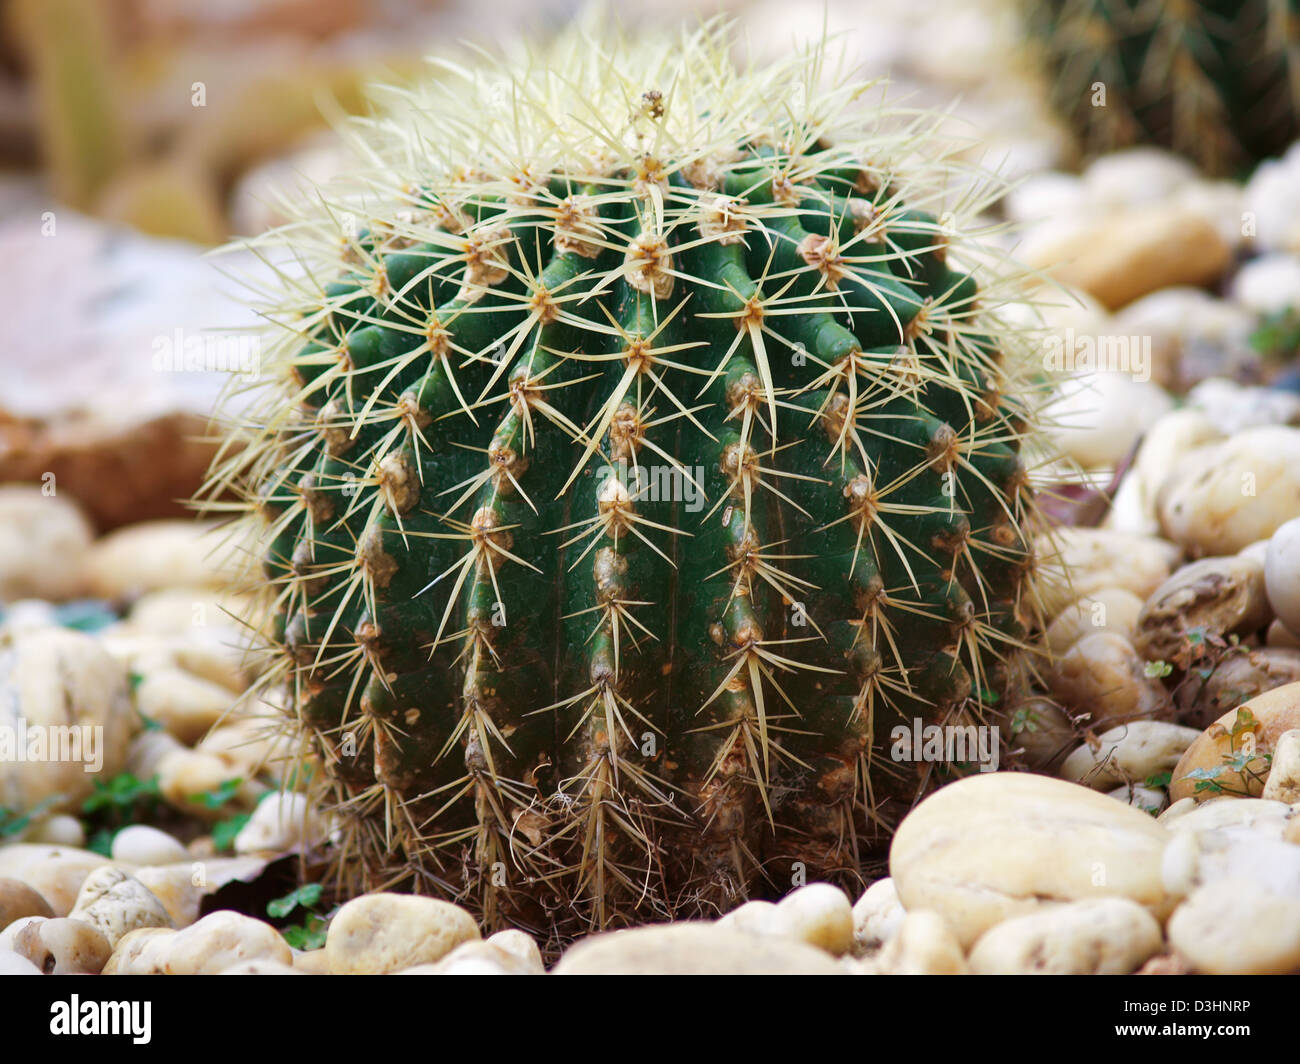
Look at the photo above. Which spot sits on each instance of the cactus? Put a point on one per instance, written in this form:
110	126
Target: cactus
642	450
1218	82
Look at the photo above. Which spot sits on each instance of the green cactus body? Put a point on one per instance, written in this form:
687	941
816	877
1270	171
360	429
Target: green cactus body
1218	81
643	461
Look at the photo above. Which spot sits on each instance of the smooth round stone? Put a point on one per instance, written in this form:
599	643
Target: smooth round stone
219	941
44	540
1102	676
1275	712
56	873
186	705
1268	284
818	914
261	968
53	680
1257	816
1134	177
1148	799
1112	609
1272	199
1283	783
1101	936
477	958
1234	927
1237	679
521	945
1223	595
693	949
63	946
877	916
153	555
12	963
1133	751
1040	733
991	847
1265	858
1233	407
1225	496
1097	418
923	945
139	844
1136	507
1282	574
1078	562
17	899
380	933
61	830
280	823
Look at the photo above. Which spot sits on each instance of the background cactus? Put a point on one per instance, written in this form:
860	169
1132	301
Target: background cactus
1218	81
644	446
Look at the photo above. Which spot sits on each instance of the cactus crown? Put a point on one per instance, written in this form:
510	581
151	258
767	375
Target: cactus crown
1217	81
643	448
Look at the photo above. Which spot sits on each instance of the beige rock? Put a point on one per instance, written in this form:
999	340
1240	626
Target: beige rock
1175	811
381	933
1111	609
185	705
43	544
1239	677
1097	559
1272	196
139	844
818	914
477	958
1225	496
281	822
116	904
1224	596
256	742
1195	857
147	751
160	554
1282	574
61	830
1136	177
1134	252
923	945
693	949
1233	927
1234	407
1149	799
54	872
1135	510
1130	752
184	773
18	899
59	687
521	945
877	916
1100	936
311	962
1257	816
219	941
1041	730
990	847
1283	784
1103	677
63	946
181	887
1275	712
1096	418
1281	637
1268	284
12	963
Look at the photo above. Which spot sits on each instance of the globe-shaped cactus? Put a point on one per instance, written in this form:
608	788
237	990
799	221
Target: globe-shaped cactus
642	450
